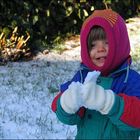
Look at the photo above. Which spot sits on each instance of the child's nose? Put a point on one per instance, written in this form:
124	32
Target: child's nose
101	47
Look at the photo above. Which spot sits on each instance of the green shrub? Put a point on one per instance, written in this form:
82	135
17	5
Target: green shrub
49	19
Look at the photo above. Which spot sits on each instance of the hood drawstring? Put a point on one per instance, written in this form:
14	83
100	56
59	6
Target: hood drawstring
127	69
127	73
81	77
80	70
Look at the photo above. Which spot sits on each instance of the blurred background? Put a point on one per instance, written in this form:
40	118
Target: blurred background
27	27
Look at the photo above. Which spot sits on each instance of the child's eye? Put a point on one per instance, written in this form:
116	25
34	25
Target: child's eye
93	45
106	42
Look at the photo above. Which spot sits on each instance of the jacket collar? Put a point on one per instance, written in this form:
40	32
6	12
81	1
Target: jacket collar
124	68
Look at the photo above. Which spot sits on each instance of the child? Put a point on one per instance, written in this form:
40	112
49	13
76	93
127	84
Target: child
103	97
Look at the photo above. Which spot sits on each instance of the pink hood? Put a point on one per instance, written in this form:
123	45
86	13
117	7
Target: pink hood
119	46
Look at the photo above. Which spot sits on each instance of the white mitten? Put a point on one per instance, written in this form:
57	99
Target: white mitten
96	97
71	99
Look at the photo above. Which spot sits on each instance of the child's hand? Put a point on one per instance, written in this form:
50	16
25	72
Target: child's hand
95	97
71	98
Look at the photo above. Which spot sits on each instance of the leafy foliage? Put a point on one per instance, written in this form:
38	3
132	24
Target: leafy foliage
14	47
49	21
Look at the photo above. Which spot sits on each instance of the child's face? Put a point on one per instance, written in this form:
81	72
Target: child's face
99	52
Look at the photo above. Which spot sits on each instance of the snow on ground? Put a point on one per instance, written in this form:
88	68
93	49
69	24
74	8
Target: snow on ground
26	93
27	90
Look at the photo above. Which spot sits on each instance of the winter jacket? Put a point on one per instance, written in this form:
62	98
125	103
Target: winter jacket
122	122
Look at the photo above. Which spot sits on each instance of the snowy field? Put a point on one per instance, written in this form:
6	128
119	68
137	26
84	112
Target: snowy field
26	92
28	88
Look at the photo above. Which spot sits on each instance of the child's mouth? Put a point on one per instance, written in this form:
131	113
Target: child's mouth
101	59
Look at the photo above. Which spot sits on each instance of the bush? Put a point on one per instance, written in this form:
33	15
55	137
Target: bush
48	20
15	47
